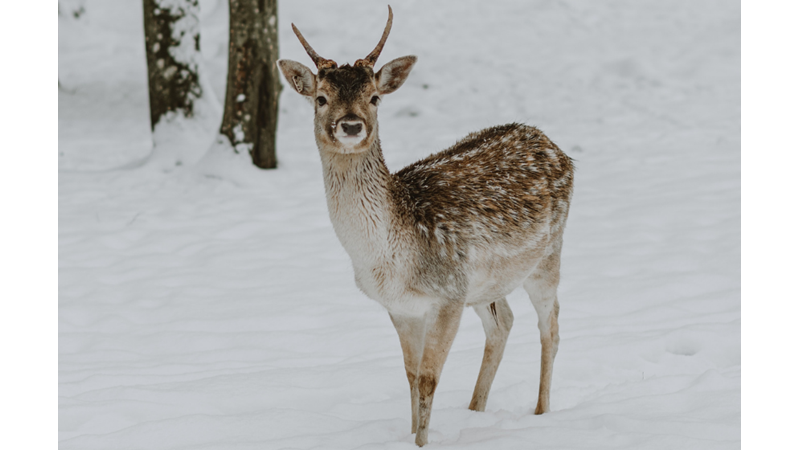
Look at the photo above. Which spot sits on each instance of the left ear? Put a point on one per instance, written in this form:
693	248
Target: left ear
394	73
299	77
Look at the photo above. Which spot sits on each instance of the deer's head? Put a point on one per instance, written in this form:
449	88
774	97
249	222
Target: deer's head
346	98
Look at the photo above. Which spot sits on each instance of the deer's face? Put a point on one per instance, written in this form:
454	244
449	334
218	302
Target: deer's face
346	98
346	108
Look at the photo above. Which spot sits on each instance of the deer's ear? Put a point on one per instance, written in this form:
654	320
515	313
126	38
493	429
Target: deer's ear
394	74
299	77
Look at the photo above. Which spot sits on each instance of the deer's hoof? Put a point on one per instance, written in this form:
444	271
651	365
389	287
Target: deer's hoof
422	438
476	405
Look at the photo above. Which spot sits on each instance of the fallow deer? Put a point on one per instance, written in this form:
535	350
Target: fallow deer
463	227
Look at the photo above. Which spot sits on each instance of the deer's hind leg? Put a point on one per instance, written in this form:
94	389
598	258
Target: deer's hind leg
541	287
497	320
411	331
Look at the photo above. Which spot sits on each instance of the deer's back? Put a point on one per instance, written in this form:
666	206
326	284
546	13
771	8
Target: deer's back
494	184
488	201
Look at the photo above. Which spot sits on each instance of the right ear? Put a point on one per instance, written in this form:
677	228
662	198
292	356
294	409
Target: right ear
394	74
299	77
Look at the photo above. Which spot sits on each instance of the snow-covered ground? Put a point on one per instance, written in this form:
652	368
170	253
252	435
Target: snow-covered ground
221	313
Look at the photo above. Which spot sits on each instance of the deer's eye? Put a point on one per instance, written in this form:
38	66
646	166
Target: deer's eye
321	101
375	100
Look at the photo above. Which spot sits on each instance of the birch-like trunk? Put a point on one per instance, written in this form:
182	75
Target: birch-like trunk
182	108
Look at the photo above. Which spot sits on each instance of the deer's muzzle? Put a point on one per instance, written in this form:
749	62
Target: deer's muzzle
350	130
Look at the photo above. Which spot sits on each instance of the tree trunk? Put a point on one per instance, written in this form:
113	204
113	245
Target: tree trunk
251	99
183	108
172	40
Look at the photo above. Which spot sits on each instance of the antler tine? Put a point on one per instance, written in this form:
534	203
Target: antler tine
373	56
319	61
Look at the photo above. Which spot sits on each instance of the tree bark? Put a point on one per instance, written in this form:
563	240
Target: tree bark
250	116
172	41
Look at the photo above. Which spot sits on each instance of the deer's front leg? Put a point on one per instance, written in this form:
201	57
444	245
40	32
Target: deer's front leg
439	334
411	331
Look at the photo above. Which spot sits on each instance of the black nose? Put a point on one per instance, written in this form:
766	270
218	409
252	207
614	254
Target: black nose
351	129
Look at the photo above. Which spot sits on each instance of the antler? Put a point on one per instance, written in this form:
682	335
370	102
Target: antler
369	61
319	61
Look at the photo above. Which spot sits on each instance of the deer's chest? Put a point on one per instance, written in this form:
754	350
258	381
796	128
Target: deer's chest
390	285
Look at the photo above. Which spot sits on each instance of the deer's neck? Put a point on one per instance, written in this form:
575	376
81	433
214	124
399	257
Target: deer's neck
358	188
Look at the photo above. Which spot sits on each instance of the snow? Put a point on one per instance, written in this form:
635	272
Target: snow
211	306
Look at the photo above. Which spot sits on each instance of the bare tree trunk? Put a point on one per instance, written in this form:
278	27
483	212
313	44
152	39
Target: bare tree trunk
172	40
251	99
183	110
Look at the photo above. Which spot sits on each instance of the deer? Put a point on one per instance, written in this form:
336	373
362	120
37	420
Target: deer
461	228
